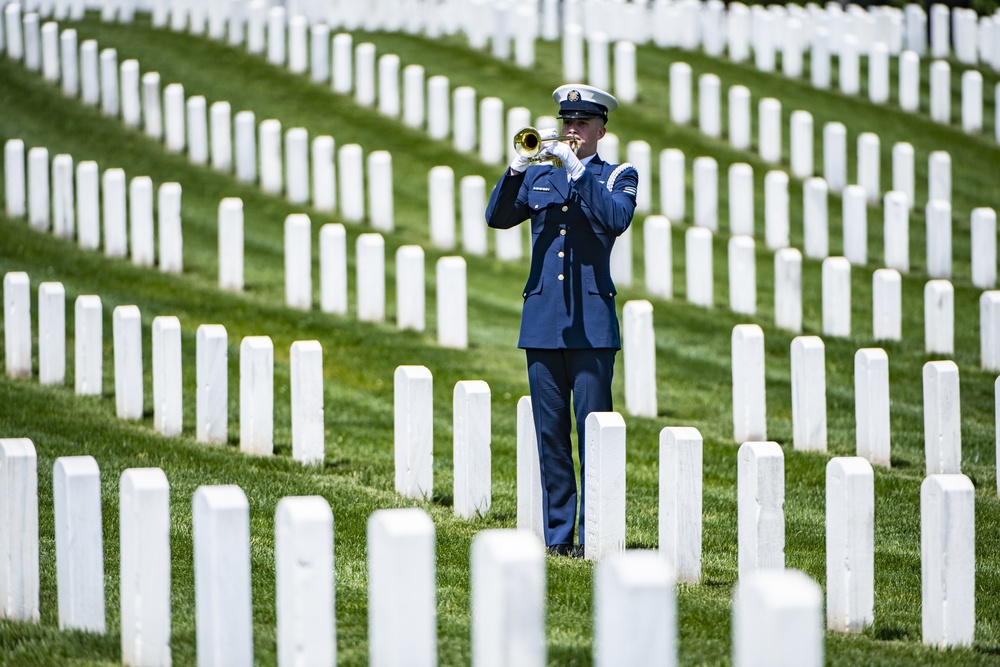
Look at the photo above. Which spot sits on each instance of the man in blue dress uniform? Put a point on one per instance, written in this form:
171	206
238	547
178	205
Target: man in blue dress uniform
569	327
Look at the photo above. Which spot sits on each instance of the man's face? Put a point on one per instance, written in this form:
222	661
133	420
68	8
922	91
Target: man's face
587	130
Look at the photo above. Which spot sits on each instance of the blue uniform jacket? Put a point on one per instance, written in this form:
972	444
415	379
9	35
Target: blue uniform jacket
569	299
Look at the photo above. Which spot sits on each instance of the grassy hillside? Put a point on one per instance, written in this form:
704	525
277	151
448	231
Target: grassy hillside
693	358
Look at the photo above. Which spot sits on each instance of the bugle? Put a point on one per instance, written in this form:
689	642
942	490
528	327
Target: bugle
529	143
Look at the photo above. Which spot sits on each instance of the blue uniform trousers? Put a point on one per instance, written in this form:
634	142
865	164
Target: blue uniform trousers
554	376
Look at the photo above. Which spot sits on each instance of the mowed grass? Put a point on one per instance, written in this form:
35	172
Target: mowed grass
693	359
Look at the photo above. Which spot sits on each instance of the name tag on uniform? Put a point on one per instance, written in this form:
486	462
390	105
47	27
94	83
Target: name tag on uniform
540	189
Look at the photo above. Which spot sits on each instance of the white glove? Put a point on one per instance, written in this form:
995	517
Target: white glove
572	163
519	163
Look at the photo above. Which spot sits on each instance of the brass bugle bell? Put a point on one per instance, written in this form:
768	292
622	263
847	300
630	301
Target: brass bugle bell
528	143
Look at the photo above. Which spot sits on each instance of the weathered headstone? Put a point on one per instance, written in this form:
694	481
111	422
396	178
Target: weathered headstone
769	135
815	198
109	82
308	440
212	380
245	131
88	345
413	96
63	204
464	122
171	238
941	91
835	155
605	484
878	73
380	199
324	174
144	523
19	571
370	262
167	406
706	193
197	129
220	115
801	144
90	81
298	261
342	78
402	607
223	607
742	275
886	305
635	591
947	560
871	405
855	224
657	247
438	107
529	481
257	395
942	418
127	332
760	507
140	216
909	81
38	189
333	268
749	391
709	105
76	497
741	208
452	307
739	117
351	185
788	289
778	620
388	85
319	53
972	101
984	247
939	317
939	176
639	351
680	501
808	393
836	297
304	581
938	217
269	143
850	544
698	267
680	93
410	299
13	176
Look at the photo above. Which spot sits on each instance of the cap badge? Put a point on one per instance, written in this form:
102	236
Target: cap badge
573	96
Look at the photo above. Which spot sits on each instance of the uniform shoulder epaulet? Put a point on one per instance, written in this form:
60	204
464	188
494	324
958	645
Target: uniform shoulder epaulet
619	170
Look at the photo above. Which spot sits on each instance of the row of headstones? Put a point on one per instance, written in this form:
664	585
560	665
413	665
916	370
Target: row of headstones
942	415
508	568
800	138
183	125
78	205
815	203
738	30
212	360
836	290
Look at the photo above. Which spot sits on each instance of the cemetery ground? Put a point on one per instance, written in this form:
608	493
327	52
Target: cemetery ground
693	359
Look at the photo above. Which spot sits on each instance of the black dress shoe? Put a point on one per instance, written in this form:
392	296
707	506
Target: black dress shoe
578	551
561	550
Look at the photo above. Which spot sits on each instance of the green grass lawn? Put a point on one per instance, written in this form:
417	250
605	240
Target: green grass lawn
693	357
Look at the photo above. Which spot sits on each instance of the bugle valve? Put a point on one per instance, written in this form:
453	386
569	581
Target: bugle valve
528	143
